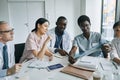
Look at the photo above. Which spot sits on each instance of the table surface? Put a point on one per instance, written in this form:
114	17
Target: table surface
105	68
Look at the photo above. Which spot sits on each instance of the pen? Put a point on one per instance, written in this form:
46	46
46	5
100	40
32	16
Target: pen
101	65
85	61
25	61
68	55
58	56
115	65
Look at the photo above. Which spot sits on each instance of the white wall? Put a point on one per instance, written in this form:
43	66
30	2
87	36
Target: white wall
71	9
50	13
4	11
118	11
93	10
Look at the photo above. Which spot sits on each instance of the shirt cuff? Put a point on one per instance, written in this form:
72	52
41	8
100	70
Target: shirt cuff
3	73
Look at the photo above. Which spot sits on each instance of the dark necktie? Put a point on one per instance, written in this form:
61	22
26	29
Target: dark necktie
5	57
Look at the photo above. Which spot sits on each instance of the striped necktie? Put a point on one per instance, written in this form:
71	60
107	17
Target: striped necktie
5	57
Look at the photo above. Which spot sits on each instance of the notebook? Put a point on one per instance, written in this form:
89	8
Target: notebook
86	66
88	63
108	66
38	64
82	73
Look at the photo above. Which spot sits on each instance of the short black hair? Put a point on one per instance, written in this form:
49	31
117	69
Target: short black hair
116	24
83	18
60	18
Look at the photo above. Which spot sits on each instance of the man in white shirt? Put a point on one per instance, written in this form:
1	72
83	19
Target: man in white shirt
7	60
61	40
115	52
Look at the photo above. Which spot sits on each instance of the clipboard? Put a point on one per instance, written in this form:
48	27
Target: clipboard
81	73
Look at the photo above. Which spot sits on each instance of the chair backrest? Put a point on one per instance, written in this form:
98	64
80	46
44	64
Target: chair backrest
19	48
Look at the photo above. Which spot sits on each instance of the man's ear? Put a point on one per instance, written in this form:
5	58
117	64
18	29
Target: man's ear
0	36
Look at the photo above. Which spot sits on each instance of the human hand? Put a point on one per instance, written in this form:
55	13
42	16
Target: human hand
62	52
49	54
48	39
50	58
117	60
16	68
106	48
71	59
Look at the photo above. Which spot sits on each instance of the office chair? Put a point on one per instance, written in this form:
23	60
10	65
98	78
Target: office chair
19	48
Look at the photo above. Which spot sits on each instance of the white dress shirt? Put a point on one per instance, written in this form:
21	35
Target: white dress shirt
115	48
66	43
11	58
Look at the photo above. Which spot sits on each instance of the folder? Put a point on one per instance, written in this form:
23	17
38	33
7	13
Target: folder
81	73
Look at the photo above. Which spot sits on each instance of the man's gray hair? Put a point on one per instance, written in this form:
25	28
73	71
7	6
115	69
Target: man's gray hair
3	22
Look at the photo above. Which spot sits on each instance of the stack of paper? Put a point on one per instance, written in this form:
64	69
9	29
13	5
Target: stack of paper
38	64
107	65
88	63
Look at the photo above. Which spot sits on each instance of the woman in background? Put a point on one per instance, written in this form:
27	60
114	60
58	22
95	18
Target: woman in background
36	44
115	53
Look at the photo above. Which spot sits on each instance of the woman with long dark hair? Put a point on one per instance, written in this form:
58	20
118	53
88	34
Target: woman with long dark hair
36	44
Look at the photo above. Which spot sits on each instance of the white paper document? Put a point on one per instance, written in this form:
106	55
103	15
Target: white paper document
88	63
107	65
38	64
58	55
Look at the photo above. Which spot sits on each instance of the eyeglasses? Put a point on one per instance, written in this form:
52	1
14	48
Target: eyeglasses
7	31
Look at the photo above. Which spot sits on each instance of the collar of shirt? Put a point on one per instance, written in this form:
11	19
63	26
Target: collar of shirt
82	36
1	45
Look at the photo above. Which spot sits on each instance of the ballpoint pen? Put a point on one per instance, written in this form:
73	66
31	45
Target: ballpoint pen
101	65
58	56
25	61
85	61
115	65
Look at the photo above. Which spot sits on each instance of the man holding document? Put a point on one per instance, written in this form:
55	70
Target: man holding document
88	43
